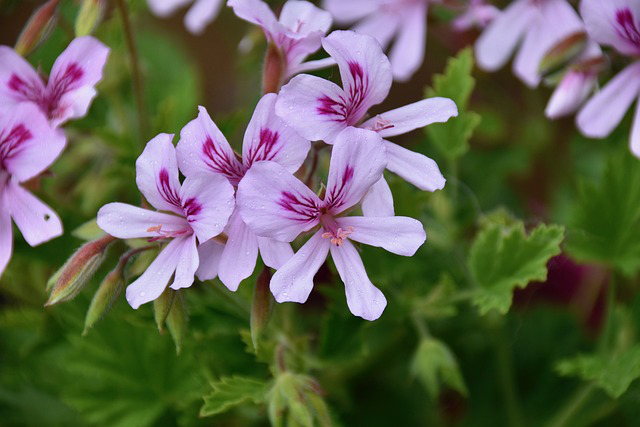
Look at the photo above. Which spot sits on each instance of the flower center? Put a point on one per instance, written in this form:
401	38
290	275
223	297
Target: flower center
162	234
339	236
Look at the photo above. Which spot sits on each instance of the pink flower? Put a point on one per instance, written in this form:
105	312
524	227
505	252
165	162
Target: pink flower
614	23
478	14
28	146
275	204
201	14
70	88
402	20
539	24
203	149
199	208
297	33
319	110
577	83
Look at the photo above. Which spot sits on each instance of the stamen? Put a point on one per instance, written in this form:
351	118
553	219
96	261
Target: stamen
381	124
339	237
164	234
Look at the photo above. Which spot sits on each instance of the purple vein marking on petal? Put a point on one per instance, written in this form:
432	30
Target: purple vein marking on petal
357	92
164	188
337	194
191	208
304	208
266	148
27	90
627	28
218	161
328	106
12	142
59	86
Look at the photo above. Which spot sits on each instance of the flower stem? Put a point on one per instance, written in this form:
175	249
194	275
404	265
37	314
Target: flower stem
572	407
136	74
273	69
505	371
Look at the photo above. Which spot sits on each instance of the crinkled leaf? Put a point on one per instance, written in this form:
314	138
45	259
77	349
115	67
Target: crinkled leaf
503	258
232	391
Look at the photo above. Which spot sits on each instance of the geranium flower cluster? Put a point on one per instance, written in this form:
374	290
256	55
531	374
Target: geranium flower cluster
32	109
558	44
232	207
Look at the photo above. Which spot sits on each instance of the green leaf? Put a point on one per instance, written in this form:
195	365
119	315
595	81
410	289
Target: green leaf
434	364
232	391
613	374
452	137
503	258
605	222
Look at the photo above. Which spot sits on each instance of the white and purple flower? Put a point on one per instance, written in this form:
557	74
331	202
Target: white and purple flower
198	209
534	25
386	20
204	149
319	110
70	88
201	13
296	33
275	204
28	146
614	23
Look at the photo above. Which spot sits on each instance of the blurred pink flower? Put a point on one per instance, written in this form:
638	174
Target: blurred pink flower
203	149
28	146
297	32
70	88
319	110
478	14
199	208
614	23
275	204
201	14
539	24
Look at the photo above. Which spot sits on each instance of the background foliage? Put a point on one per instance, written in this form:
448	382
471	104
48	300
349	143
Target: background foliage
528	204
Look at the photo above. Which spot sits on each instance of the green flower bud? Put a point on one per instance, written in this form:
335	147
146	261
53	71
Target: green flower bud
38	28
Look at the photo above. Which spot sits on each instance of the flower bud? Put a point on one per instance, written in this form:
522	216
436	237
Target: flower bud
90	15
177	320
105	296
562	53
79	269
162	307
38	28
261	307
274	67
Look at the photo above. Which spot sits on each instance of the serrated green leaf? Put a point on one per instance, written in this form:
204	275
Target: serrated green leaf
503	258
435	365
457	83
232	391
613	374
605	222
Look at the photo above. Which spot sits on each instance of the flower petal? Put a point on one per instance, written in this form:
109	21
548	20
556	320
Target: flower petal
412	116
303	17
209	253
204	149
273	203
363	298
498	41
269	138
294	280
240	253
257	12
381	25
357	162
555	21
569	95
364	69
634	141
378	201
6	239
131	222
414	167
201	14
346	12
188	262
74	74
37	222
407	53
207	201
613	23
274	253
155	279
157	174
19	82
602	113
397	234
164	8
315	108
28	145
